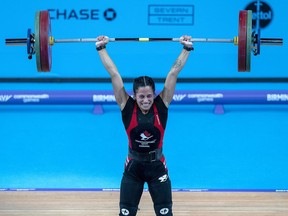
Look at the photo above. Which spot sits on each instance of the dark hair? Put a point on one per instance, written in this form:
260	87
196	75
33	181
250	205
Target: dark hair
143	81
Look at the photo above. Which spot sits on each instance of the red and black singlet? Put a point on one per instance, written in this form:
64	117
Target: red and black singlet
145	131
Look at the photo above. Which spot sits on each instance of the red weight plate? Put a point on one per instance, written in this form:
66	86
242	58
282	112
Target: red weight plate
242	41
45	48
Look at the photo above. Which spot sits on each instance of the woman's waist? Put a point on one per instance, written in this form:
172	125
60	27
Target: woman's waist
147	156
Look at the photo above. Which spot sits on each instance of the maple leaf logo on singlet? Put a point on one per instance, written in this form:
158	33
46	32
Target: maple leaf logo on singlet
145	139
145	136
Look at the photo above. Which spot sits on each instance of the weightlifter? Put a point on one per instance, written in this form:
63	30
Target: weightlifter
144	117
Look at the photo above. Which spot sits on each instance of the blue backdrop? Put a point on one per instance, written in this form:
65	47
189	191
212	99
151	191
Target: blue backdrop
70	147
88	19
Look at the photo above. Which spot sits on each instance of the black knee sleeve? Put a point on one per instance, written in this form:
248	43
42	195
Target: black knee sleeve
161	210
127	210
161	194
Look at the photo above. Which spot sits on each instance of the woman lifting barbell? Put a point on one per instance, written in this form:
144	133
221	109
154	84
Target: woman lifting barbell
144	117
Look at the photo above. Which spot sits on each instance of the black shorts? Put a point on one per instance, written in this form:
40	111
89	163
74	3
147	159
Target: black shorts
155	174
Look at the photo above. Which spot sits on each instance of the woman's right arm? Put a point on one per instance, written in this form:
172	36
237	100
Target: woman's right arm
120	93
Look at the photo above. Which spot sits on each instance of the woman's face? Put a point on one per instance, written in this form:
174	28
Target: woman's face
144	98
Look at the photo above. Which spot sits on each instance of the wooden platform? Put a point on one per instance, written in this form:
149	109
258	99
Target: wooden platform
41	203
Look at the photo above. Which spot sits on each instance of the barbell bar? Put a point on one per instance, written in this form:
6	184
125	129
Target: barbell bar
40	43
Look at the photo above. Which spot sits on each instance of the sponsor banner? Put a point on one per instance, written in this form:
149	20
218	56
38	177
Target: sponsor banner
180	97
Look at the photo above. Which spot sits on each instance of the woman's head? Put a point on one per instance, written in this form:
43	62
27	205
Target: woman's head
143	81
144	92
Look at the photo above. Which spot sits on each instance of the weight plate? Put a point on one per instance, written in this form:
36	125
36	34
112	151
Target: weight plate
37	40
28	41
249	40
242	41
45	48
258	41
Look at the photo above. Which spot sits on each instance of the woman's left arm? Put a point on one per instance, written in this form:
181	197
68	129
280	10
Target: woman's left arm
169	86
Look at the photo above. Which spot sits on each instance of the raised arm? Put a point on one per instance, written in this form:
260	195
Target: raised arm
171	79
120	93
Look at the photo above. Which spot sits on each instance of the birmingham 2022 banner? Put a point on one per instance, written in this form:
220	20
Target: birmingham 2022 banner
141	19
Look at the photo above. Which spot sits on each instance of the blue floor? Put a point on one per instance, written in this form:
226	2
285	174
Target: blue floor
69	147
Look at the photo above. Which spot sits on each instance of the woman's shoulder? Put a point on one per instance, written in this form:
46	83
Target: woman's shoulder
160	103
129	104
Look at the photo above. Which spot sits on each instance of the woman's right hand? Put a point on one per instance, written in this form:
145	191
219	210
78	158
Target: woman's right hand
101	41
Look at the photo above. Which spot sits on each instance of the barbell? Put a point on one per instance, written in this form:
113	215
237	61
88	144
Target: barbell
40	43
